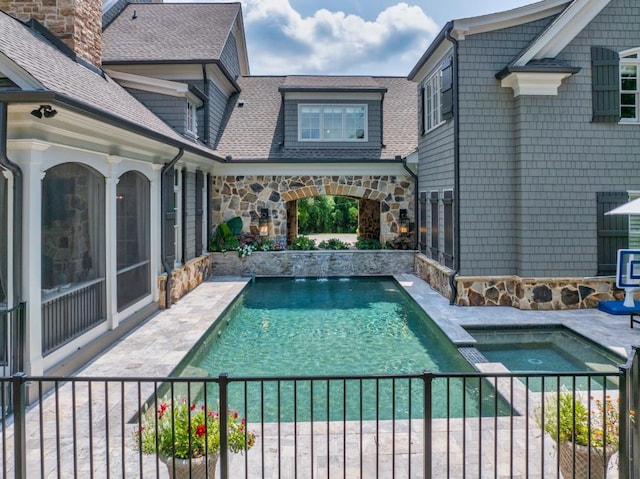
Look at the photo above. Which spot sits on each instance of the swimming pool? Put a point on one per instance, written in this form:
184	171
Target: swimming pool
355	326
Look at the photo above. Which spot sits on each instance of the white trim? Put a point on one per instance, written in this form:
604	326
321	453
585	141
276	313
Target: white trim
332	95
634	62
534	83
154	85
464	27
433	117
563	30
18	75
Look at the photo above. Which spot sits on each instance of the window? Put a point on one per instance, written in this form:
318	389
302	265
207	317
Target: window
177	208
629	87
192	120
133	244
332	123
432	87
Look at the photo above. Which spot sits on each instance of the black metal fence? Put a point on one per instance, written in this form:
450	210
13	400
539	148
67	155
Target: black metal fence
12	339
401	426
68	314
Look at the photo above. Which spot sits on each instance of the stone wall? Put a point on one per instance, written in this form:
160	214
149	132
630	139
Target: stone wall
319	263
186	278
244	196
521	293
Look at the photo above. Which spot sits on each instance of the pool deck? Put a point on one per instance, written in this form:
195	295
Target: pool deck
156	347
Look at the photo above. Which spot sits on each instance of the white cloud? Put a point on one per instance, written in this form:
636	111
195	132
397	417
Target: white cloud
281	41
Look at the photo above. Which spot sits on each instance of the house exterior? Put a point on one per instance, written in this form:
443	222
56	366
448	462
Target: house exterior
130	129
528	135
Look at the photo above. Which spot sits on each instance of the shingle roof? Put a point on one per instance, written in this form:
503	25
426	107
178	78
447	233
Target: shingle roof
309	82
58	73
169	32
254	130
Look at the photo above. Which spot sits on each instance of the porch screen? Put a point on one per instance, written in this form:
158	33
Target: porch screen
132	200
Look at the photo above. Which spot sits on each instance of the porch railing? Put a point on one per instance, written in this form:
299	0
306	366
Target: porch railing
397	426
68	314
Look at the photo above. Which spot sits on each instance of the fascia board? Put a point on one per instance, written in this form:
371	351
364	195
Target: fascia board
432	62
18	75
155	85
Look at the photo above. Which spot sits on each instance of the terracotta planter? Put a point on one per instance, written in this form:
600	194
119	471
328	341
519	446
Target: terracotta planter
590	463
194	468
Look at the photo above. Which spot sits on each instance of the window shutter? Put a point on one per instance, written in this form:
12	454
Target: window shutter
447	201
183	224
199	186
435	222
168	217
446	90
422	111
605	85
613	233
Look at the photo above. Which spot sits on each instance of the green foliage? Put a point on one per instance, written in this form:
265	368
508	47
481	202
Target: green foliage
235	225
327	214
333	243
303	243
368	243
224	236
566	419
183	430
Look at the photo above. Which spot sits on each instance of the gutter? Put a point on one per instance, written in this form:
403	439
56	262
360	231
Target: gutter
456	165
17	204
207	134
163	234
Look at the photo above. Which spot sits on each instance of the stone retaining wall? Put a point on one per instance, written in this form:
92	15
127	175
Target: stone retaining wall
318	263
435	274
186	278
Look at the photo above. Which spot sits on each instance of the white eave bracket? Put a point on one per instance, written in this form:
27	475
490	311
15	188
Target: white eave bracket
534	83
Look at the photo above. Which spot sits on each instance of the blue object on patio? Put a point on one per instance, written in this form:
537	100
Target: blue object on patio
617	307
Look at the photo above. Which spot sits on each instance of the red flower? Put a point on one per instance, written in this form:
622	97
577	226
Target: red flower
201	430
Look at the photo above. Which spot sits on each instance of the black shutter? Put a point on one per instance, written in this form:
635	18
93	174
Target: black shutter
168	217
605	85
446	90
421	111
435	221
613	232
199	186
183	224
447	201
423	222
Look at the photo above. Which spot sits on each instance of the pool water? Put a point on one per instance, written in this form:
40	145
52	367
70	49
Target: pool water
361	326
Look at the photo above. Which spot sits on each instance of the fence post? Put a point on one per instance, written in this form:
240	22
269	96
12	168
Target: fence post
624	429
427	420
19	424
223	382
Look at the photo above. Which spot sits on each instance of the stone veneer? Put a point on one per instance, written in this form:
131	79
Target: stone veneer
186	277
318	263
78	23
521	293
244	196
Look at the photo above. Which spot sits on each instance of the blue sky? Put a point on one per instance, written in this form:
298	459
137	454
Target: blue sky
349	37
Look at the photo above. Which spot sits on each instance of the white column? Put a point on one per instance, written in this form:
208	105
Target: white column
31	163
9	252
155	232
111	236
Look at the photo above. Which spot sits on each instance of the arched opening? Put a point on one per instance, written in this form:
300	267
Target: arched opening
73	253
133	243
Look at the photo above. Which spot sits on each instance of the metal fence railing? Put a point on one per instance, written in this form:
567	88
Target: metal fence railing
12	341
392	426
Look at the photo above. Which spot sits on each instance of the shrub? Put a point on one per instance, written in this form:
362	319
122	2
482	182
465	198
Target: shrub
368	243
333	243
303	243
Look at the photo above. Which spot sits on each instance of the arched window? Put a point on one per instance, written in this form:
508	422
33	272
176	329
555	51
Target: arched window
133	244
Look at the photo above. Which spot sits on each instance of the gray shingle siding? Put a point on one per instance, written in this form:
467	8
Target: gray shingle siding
217	107
229	57
171	109
530	167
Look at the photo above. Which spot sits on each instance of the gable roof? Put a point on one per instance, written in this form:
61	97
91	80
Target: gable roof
169	32
254	128
50	72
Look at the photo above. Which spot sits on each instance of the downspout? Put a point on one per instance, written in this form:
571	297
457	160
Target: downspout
456	168
415	199
207	133
163	234
16	171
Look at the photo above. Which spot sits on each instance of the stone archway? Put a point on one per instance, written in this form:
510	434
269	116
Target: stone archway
380	198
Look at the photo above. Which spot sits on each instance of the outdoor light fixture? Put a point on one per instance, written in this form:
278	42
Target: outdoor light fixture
404	222
263	222
44	110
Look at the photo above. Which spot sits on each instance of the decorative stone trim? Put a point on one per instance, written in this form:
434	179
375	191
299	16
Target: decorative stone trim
437	275
320	263
185	278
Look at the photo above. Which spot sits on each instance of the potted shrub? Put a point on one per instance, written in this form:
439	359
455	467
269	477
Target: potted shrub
589	437
186	437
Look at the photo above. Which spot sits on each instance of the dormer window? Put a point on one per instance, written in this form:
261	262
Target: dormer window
629	86
332	122
192	120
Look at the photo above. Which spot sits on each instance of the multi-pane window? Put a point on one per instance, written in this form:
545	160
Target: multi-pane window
629	87
192	119
432	86
332	122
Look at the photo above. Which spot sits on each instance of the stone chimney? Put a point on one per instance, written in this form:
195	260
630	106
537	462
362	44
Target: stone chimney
78	23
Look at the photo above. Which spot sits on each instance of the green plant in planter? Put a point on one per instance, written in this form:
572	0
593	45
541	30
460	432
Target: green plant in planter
303	243
402	241
224	237
368	243
333	243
